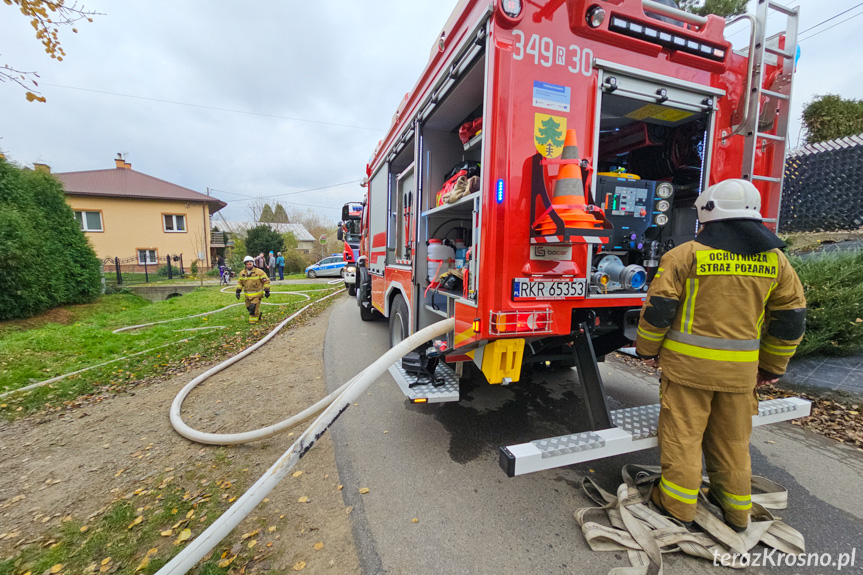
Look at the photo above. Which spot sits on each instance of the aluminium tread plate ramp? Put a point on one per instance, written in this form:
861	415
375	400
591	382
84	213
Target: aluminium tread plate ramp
636	429
427	393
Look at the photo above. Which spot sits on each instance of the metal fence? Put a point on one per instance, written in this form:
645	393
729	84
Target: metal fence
823	188
130	271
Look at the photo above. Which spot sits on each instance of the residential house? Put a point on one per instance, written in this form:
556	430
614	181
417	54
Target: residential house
134	216
305	240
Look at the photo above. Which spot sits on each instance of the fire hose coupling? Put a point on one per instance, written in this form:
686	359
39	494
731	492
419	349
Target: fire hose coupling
631	277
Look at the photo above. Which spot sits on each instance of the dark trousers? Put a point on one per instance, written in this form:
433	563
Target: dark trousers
281	272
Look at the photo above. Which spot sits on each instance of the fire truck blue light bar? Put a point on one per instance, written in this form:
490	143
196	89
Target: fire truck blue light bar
500	191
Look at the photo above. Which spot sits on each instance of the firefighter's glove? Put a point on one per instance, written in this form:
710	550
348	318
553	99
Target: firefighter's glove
238	293
266	292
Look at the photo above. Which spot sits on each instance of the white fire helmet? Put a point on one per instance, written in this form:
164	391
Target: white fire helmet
729	200
248	259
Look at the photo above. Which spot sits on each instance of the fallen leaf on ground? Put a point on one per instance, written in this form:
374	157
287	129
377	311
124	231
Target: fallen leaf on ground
56	568
226	562
299	565
271	528
137	520
146	560
415	520
167	533
252	543
250	534
83	529
303	499
364	490
319	545
184	536
297	473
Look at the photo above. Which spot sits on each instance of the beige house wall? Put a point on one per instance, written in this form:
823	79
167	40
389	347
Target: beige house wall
133	224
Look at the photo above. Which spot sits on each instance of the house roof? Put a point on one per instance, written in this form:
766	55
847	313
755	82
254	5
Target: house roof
127	183
299	230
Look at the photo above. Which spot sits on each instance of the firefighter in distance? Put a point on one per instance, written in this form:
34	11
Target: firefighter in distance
255	283
724	314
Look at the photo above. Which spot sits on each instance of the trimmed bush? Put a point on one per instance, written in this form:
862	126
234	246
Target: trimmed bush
45	259
833	283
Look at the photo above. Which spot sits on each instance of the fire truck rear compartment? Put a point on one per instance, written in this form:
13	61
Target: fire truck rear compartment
642	145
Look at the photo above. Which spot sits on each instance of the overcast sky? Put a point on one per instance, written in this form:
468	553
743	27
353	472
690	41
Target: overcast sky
287	97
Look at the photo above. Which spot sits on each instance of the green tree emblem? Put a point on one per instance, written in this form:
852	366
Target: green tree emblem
550	135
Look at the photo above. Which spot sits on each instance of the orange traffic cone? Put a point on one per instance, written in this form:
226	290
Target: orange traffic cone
569	199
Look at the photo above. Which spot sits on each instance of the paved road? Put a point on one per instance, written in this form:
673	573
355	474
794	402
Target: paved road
438	463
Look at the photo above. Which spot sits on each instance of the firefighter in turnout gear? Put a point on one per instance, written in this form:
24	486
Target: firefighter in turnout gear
255	283
724	313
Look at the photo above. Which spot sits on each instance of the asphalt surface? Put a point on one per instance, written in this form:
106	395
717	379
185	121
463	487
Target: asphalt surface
439	464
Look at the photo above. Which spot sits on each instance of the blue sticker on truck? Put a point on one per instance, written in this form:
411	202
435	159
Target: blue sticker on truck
552	96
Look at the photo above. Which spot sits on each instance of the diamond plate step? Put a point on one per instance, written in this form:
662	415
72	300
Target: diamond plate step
427	393
636	429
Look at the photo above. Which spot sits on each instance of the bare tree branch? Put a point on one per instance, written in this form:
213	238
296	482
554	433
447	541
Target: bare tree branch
45	16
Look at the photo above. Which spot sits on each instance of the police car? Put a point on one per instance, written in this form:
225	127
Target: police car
333	265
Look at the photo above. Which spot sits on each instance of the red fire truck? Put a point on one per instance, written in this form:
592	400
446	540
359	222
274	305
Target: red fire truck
547	157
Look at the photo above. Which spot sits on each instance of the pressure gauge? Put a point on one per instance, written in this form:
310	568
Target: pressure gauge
664	190
663	205
661	220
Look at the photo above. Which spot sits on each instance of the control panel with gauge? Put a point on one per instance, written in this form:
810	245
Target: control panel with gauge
633	206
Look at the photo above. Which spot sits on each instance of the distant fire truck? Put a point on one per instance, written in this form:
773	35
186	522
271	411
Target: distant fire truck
349	234
547	157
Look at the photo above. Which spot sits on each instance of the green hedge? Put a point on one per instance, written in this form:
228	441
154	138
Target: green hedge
833	283
45	260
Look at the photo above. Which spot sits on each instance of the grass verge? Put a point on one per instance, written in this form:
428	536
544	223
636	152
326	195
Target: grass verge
35	350
140	531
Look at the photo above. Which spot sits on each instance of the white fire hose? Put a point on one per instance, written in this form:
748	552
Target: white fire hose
347	394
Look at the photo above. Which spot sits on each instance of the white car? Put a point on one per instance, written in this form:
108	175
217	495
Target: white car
351	278
330	266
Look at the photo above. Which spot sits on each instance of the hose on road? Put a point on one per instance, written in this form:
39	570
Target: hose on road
347	394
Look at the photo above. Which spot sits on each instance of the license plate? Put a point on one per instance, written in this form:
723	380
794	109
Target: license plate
524	288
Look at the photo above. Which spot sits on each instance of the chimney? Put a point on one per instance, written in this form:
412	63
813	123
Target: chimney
42	168
120	163
127	165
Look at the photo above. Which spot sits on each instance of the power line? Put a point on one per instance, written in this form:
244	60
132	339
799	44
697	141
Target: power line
830	27
215	108
285	193
831	18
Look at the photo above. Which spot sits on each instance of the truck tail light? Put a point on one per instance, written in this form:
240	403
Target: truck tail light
521	322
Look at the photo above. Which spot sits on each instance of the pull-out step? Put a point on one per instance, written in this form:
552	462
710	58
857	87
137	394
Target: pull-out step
636	429
426	392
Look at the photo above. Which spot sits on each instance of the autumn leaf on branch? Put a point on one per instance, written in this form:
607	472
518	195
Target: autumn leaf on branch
46	17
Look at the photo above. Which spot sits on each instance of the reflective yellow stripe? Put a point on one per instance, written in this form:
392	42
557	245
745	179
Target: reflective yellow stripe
712	354
741	502
764	311
689	306
254	294
658	273
688	496
784	350
651	335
